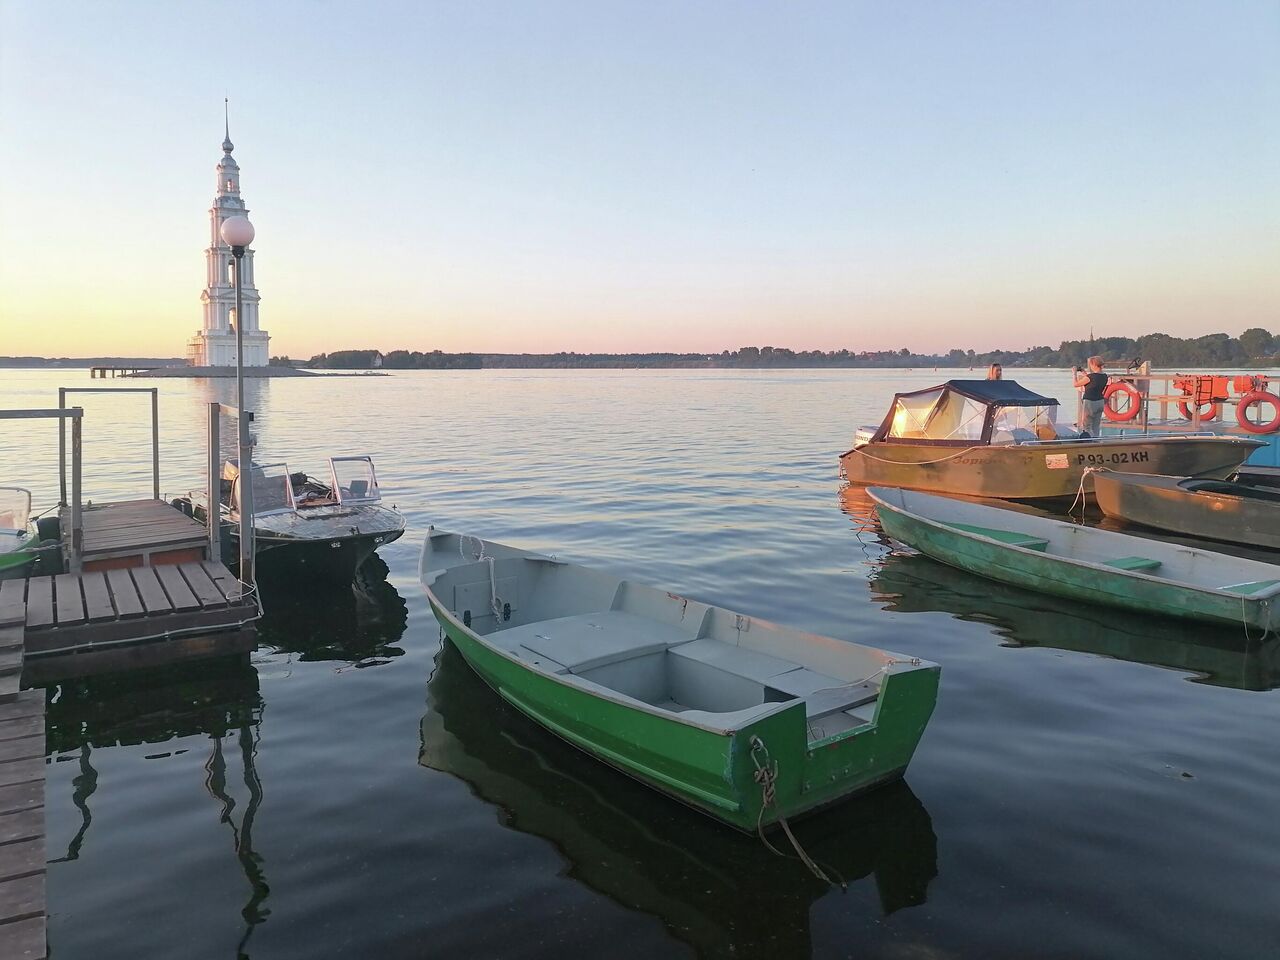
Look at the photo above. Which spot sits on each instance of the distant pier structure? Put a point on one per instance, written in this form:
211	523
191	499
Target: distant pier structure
215	344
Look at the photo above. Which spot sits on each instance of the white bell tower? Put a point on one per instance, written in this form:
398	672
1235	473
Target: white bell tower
215	344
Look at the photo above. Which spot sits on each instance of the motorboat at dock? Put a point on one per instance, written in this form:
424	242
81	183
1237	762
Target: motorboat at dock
995	438
304	525
1244	514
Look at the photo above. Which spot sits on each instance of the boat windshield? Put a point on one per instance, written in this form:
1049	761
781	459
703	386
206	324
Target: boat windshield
15	509
940	414
1017	424
272	491
354	480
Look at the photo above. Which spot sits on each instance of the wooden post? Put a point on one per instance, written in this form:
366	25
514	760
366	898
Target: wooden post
155	443
77	534
213	499
62	449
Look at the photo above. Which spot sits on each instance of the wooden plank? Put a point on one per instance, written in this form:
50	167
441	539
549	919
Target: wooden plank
124	594
13	604
70	604
22	749
30	703
40	602
11	637
202	586
180	594
22	727
220	575
22	796
10	683
150	591
21	771
23	897
24	939
23	825
97	598
22	858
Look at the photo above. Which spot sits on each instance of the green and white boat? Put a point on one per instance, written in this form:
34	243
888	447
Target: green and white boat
742	719
18	537
1083	563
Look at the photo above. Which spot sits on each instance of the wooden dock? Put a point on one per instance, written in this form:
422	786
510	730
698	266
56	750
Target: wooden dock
79	613
22	769
136	533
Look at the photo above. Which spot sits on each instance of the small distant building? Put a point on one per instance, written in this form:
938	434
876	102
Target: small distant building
215	344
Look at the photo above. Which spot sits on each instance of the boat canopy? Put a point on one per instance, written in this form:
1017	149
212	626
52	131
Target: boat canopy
15	510
970	412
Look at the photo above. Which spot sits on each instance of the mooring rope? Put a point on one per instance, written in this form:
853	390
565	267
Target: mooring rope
1082	497
479	556
767	776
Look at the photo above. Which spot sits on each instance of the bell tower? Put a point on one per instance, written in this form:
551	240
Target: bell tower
214	345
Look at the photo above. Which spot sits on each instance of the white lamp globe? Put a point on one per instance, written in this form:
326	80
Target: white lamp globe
237	231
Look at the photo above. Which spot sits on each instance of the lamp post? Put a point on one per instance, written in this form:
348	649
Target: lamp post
237	233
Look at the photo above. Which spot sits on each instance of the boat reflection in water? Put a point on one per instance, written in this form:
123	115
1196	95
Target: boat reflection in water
909	582
359	625
708	884
218	699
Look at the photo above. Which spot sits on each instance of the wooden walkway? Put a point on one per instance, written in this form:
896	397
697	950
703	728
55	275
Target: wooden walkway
78	612
22	769
134	533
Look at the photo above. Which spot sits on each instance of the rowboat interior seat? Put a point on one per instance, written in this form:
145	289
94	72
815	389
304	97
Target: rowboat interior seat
1256	586
1138	564
1013	538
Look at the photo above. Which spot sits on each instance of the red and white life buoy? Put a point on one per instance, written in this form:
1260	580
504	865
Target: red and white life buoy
1258	398
1129	412
1209	410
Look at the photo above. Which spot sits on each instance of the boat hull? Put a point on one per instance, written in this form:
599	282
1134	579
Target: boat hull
711	770
1064	577
1038	471
1159	502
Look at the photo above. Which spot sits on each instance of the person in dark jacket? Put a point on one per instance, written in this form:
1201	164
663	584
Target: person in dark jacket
1092	401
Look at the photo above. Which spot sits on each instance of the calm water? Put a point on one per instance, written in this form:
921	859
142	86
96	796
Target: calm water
1092	783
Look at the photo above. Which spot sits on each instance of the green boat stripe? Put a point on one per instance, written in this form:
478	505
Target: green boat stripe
679	786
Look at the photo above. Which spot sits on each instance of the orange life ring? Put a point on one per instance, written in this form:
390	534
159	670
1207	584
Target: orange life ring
1258	397
1209	409
1129	390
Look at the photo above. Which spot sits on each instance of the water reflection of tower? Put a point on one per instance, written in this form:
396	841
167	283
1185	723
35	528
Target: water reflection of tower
708	884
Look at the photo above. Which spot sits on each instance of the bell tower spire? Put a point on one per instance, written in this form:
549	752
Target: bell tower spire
214	344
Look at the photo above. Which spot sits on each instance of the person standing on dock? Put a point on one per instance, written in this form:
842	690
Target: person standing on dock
995	372
1092	401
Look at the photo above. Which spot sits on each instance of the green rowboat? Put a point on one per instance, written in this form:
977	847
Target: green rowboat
742	719
1083	563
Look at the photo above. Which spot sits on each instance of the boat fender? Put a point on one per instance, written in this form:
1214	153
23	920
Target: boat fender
1135	401
1258	398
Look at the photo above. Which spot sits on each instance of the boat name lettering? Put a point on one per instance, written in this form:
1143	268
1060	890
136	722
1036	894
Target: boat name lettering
972	461
1093	459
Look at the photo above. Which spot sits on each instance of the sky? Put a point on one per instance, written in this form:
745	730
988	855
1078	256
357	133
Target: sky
597	176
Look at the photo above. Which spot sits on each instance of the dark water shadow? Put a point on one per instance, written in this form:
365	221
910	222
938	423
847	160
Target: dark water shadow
710	885
218	699
358	624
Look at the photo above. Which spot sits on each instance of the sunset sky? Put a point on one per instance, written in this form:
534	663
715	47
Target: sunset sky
643	176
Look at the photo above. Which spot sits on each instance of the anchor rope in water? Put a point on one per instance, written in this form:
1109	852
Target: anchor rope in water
766	774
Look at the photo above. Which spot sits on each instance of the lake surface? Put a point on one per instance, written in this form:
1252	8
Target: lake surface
1093	784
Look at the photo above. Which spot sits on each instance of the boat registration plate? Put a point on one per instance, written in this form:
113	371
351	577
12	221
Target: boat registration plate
1056	461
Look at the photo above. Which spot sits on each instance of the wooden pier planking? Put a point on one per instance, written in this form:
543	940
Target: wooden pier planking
132	532
180	594
132	605
22	827
13	604
124	594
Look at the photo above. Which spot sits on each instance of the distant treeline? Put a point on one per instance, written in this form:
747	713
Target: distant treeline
92	362
1255	346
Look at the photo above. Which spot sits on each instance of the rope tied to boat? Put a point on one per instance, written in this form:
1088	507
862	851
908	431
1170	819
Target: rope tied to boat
1082	497
479	556
766	774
